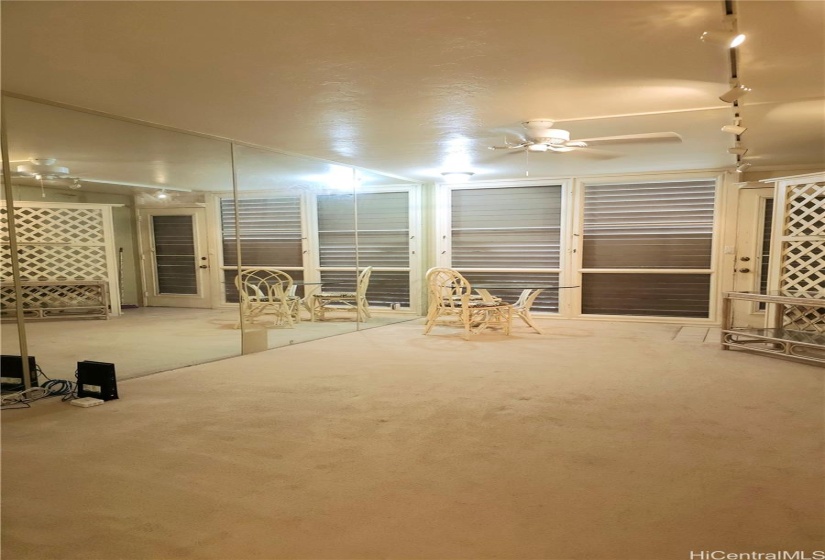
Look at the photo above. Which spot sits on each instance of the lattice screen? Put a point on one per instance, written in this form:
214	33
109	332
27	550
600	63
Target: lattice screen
803	250
56	244
60	243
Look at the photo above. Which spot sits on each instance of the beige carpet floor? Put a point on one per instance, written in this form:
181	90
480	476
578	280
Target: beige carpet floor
152	339
592	441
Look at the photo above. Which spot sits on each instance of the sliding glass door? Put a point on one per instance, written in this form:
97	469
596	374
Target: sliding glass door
635	249
646	248
507	236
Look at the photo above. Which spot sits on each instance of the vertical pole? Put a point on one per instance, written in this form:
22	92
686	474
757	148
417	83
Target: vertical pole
237	219
15	264
357	261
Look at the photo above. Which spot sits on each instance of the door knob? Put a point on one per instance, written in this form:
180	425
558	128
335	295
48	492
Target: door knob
744	270
744	259
203	266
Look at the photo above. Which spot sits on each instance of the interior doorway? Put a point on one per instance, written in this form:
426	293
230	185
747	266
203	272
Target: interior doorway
175	257
754	222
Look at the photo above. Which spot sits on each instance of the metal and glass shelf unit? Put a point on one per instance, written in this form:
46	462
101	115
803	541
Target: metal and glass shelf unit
795	328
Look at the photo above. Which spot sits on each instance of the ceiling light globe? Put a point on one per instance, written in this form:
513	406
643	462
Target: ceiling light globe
457	176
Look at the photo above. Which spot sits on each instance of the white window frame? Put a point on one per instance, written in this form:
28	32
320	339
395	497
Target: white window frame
414	226
577	232
444	231
309	234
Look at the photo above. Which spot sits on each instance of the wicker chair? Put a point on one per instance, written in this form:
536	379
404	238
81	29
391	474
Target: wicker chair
451	298
344	301
268	293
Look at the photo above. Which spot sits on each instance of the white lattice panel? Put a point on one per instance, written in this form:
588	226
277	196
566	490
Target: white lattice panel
803	266
803	252
62	262
56	296
57	243
805	319
79	226
805	210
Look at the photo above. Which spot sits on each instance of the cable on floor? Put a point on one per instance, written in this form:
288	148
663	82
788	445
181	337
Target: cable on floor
51	388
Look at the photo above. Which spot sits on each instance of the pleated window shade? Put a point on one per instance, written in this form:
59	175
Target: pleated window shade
648	227
512	232
765	261
270	231
383	243
175	255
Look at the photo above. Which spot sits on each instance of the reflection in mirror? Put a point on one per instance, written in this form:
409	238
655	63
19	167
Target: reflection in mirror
114	244
346	238
288	258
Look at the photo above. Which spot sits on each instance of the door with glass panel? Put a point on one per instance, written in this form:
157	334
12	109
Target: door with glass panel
382	237
754	219
646	248
175	257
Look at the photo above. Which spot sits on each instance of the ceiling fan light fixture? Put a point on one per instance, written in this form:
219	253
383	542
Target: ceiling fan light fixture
457	176
734	93
45	170
742	167
552	136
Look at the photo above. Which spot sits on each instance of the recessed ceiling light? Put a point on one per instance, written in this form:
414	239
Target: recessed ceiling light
457	176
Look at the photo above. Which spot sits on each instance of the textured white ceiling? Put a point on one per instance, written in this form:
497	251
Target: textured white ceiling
409	88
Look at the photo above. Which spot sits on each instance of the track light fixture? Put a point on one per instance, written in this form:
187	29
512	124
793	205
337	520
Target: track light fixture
737	150
734	93
742	167
735	128
730	39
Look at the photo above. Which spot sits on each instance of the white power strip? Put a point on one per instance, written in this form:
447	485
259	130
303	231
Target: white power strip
86	402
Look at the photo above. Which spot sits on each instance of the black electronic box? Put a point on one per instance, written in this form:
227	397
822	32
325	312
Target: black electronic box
11	373
97	380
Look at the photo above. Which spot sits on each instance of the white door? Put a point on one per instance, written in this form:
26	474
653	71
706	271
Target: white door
175	257
753	241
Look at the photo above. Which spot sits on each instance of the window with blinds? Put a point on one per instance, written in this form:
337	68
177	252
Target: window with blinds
270	236
765	252
174	240
509	235
383	243
661	228
270	231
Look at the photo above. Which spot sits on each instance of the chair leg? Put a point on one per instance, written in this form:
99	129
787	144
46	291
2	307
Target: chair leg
432	313
465	318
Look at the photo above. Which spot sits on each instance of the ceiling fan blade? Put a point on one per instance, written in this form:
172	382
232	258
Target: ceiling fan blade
508	148
135	185
594	153
633	138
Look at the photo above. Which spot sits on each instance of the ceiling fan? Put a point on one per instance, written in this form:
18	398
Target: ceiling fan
540	136
46	169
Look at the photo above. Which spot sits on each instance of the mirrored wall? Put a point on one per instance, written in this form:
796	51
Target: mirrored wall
155	249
